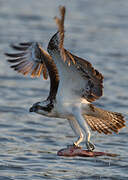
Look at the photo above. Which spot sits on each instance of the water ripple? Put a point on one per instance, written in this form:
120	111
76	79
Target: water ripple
97	31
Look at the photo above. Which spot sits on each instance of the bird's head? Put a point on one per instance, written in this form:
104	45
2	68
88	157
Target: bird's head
44	108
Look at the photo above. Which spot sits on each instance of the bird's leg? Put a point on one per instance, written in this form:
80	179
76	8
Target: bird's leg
79	140
82	123
77	130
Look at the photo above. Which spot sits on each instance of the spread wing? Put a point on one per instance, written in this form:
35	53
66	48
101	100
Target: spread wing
32	59
93	79
104	121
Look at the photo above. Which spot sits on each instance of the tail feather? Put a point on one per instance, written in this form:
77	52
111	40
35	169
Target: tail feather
104	121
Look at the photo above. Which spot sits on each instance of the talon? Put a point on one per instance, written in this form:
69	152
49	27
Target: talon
90	146
75	145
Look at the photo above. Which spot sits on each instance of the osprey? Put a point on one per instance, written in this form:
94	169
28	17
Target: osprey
74	85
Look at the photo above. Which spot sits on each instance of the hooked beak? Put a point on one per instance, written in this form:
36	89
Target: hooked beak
34	108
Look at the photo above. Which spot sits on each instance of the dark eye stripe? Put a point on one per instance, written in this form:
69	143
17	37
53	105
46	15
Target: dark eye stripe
48	108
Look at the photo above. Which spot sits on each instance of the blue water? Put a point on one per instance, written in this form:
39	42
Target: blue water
95	30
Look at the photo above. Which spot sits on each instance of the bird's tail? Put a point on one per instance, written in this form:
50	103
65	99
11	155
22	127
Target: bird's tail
104	121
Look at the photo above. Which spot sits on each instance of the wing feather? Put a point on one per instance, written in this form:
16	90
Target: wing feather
33	73
15	55
15	60
32	59
19	48
94	87
104	121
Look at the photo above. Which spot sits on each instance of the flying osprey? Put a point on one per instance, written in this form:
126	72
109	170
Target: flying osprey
74	84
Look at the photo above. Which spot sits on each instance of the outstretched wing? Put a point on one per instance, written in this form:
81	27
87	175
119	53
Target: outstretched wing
29	60
94	79
32	59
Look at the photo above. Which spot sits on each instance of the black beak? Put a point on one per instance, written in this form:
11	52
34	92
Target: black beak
34	107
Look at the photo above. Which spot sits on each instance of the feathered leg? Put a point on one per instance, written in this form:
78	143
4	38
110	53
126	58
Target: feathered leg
77	130
82	123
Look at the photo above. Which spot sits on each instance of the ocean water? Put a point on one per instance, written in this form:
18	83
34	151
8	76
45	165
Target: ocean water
96	31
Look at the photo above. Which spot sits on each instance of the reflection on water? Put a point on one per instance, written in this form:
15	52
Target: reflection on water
96	30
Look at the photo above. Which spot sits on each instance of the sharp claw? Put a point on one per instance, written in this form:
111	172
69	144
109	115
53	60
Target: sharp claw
75	145
90	146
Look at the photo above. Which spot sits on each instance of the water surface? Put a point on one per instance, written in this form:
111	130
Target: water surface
95	30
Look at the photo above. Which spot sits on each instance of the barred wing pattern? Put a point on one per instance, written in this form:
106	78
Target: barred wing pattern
29	60
32	59
104	121
106	126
